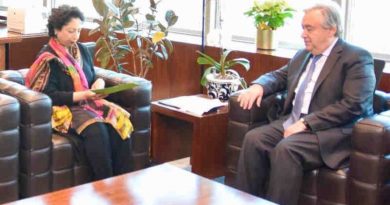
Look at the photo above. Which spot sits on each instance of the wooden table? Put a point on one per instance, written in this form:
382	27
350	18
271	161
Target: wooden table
177	134
163	184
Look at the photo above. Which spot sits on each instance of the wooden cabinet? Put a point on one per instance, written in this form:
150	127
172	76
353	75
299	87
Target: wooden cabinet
177	134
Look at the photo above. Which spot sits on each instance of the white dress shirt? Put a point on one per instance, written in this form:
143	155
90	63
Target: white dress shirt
310	86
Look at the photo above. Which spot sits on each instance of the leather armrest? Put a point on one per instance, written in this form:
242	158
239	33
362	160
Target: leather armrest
35	137
137	102
269	109
370	159
9	148
14	75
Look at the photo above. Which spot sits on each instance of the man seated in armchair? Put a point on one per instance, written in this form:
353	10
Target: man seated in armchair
330	85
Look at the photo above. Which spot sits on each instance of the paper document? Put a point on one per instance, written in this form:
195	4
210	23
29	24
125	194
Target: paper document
116	88
194	104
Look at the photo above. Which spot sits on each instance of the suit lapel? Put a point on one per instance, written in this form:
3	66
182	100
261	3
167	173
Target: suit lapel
329	64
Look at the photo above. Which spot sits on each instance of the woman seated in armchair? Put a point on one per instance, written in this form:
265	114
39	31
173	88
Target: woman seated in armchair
64	71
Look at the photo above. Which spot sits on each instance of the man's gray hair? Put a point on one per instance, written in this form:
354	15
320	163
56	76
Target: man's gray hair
331	11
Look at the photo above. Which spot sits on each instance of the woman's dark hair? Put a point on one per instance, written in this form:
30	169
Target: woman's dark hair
61	16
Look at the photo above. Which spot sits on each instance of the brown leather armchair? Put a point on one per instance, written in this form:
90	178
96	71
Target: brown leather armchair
9	148
365	181
47	161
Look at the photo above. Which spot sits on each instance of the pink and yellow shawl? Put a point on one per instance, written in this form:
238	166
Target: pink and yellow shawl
38	76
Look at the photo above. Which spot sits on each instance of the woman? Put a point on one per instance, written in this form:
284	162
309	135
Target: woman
64	71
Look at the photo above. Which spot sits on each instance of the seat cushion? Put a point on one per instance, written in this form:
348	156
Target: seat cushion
324	186
69	166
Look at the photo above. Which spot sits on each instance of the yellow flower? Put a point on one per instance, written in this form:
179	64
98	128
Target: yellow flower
158	36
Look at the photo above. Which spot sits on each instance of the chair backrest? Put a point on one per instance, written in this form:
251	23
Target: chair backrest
380	98
91	47
379	65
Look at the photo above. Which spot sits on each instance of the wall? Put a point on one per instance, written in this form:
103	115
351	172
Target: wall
180	75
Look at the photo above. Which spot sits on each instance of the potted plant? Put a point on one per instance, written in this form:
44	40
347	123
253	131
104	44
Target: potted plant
143	36
268	17
219	78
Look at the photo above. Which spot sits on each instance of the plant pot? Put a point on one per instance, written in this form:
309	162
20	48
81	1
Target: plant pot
266	39
222	88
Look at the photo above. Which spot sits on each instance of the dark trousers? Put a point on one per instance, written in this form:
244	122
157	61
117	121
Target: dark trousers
271	166
106	152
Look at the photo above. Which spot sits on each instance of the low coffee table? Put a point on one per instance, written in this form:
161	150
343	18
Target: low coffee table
160	185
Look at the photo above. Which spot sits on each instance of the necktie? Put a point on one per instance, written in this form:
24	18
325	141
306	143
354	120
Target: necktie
296	110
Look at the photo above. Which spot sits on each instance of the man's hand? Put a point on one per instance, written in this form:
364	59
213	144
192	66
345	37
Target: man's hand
247	98
298	126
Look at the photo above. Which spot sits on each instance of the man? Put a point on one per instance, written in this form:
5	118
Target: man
329	85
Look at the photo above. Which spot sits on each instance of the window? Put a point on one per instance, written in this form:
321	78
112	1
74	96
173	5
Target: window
86	6
289	34
189	12
366	26
364	20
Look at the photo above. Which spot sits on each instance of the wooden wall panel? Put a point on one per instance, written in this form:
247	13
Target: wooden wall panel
384	84
180	75
23	54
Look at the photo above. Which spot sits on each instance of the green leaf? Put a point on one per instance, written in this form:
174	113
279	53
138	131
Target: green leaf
112	8
203	80
159	55
162	27
150	17
168	44
244	85
139	41
100	7
171	17
238	61
93	31
104	58
117	3
132	34
205	59
153	4
164	52
125	47
99	42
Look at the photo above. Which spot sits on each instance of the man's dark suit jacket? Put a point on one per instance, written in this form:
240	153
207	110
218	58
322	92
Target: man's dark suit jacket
343	93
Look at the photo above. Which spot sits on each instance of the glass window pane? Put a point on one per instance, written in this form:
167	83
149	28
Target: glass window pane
367	27
85	6
189	12
242	27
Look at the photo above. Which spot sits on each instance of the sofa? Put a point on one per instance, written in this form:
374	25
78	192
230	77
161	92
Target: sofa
9	148
47	161
364	182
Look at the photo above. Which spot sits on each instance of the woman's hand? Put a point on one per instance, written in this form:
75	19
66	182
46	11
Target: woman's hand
98	84
87	95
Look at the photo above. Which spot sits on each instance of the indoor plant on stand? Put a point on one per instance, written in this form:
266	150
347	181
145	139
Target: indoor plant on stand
268	16
143	35
219	79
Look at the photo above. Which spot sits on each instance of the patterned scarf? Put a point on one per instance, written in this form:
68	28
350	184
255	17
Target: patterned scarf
108	112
